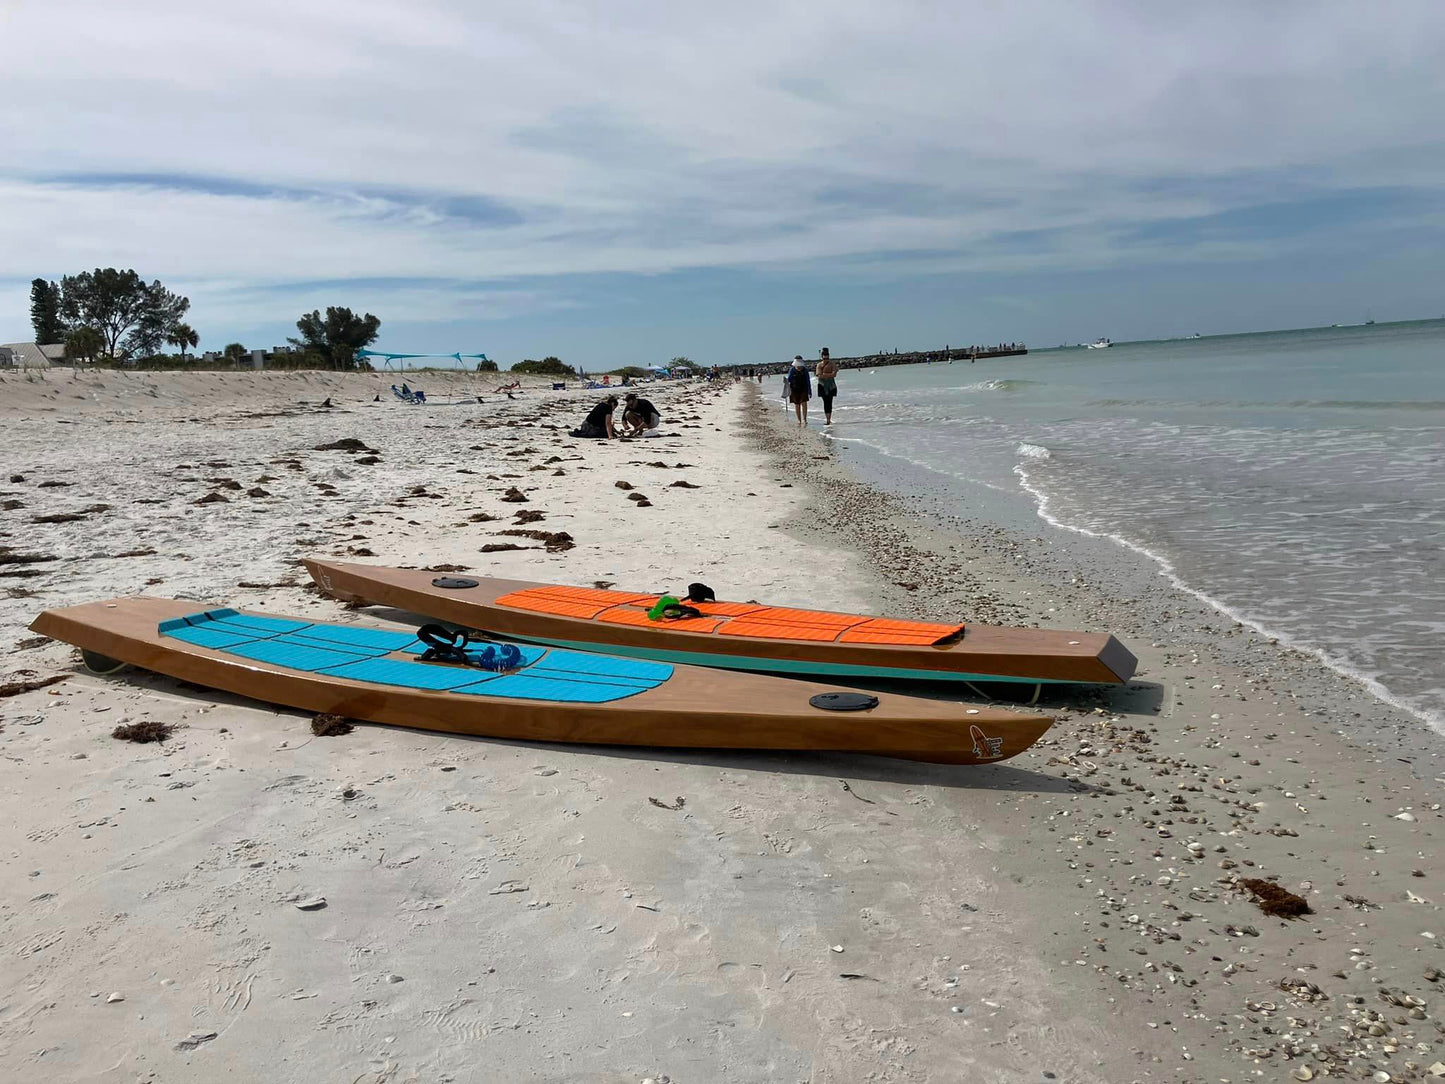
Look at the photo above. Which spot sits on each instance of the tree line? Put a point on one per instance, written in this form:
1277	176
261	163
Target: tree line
114	315
109	313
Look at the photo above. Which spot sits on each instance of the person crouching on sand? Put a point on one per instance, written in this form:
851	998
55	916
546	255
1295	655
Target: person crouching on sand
827	373
598	425
800	388
639	416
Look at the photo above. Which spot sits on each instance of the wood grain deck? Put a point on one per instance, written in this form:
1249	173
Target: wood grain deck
695	708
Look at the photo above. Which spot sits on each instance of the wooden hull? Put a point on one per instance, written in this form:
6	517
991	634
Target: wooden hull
692	708
985	653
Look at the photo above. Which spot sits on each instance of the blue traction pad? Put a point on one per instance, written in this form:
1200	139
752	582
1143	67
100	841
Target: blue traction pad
409	675
356	652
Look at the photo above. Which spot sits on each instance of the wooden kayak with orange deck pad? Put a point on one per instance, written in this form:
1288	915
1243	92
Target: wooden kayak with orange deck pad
735	635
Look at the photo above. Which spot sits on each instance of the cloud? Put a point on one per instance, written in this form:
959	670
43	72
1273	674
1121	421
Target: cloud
486	159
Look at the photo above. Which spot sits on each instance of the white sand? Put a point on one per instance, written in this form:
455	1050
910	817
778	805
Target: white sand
501	911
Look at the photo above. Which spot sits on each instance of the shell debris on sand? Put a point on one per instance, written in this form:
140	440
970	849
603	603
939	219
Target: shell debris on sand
1138	804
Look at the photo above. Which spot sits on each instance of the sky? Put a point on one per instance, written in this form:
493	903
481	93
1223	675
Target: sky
625	182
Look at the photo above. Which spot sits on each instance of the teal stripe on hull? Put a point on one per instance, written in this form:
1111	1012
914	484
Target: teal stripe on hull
786	666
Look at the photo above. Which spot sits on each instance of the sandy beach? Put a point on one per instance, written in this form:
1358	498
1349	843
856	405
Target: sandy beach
505	911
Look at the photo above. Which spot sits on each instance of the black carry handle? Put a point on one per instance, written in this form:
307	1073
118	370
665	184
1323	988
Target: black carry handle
700	592
443	644
450	645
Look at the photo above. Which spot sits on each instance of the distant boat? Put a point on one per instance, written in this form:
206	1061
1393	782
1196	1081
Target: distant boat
1196	335
1100	345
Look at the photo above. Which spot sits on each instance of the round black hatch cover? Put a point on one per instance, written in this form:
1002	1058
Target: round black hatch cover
453	582
844	701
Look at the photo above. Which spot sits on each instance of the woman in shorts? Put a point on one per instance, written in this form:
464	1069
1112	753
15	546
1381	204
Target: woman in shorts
827	384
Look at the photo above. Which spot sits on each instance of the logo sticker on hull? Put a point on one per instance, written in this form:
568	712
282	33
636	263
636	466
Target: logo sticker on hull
984	747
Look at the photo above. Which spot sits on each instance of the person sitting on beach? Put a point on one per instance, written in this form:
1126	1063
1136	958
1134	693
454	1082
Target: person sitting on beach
640	416
598	425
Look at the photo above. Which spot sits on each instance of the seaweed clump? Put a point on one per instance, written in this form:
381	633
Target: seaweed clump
142	732
329	726
15	688
1274	900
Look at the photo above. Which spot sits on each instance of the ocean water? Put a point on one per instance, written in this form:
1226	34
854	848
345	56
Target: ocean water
1294	480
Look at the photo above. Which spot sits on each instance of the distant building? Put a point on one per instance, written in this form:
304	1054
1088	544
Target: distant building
30	355
257	359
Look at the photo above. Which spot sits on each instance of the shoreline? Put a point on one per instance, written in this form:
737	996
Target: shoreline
1060	550
1293	718
526	911
1434	721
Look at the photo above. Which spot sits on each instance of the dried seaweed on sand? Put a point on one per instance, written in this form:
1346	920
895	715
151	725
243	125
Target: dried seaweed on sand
15	688
1274	900
326	725
142	732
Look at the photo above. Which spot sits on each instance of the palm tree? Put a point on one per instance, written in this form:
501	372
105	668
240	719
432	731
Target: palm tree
83	344
183	335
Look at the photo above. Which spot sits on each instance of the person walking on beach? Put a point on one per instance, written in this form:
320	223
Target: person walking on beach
800	388
827	384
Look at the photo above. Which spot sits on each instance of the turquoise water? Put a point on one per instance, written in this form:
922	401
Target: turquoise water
1295	480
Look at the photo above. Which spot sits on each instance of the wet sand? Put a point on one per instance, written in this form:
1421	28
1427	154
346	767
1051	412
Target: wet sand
1228	758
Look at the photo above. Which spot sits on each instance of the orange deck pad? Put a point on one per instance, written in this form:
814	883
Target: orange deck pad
895	639
633	615
728	618
779	615
566	601
767	630
725	609
779	623
901	633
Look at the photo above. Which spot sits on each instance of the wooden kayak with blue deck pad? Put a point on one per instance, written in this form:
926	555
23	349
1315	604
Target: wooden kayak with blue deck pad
548	694
734	635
